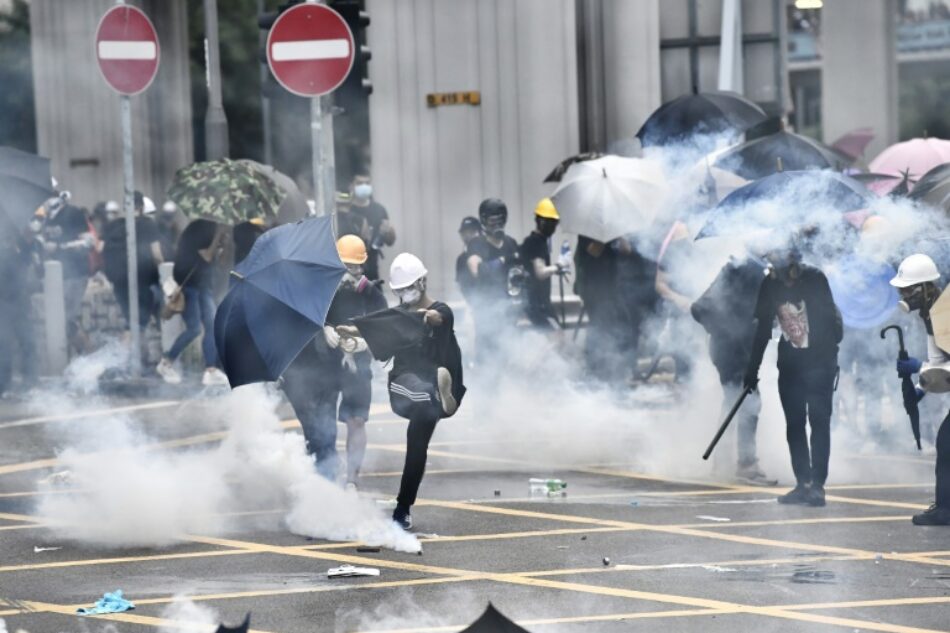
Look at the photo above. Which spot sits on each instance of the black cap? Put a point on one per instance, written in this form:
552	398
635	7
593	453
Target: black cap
470	223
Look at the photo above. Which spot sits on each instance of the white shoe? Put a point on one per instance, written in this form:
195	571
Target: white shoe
214	377
168	373
449	405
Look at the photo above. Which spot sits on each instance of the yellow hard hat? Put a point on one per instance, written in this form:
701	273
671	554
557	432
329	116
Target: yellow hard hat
545	209
352	250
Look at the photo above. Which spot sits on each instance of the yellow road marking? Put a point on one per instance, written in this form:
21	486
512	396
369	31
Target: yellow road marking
855	604
122	559
17	517
88	414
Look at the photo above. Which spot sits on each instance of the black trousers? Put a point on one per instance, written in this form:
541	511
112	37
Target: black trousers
943	464
414	396
807	392
417	452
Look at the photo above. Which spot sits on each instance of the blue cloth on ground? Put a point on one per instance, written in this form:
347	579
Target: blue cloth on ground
109	603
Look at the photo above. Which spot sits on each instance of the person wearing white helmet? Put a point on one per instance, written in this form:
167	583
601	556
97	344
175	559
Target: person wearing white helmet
425	383
917	280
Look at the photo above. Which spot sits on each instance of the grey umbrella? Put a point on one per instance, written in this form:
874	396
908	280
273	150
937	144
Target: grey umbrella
19	198
26	166
294	206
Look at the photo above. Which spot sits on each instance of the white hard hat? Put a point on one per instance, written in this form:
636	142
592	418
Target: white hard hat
406	270
113	206
148	206
169	207
914	270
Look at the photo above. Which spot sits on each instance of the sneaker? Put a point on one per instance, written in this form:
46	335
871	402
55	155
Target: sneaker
402	518
214	377
449	405
796	496
934	515
168	373
816	496
752	475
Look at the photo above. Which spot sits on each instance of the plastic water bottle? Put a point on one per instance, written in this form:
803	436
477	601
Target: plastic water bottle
549	487
565	258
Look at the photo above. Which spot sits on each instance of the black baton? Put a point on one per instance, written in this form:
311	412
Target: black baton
732	413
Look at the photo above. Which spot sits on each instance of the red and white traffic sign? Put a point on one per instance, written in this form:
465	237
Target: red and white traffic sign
310	49
127	49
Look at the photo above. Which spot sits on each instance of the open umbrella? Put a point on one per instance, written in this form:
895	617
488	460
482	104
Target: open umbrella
389	331
853	143
26	166
908	390
704	113
760	157
492	621
609	197
914	157
294	205
241	628
780	201
280	299
862	291
559	170
225	191
933	188
19	198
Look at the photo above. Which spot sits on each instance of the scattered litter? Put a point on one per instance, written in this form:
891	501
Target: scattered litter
497	493
563	547
367	549
606	561
347	571
386	504
584	537
634	503
548	487
707	517
241	628
717	568
37	549
61	478
878	558
108	603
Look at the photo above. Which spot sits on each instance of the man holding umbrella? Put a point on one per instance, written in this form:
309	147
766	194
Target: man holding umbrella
798	295
916	281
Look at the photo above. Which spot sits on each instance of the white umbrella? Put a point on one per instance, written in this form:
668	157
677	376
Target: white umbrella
610	196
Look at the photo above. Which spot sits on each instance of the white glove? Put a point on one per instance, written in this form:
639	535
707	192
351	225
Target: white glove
331	336
353	344
349	363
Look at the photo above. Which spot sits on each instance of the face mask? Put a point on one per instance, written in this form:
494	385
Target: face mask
547	228
917	299
408	296
363	190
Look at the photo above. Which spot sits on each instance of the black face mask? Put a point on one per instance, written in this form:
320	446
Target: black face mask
547	227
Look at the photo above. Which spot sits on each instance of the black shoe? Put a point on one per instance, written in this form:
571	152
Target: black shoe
816	496
934	515
796	496
402	518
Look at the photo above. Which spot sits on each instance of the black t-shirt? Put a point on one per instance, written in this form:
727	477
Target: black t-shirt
349	223
245	234
115	254
463	276
67	226
439	348
375	214
806	312
348	303
197	236
492	278
538	291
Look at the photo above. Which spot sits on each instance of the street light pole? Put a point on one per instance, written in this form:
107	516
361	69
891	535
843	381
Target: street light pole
216	123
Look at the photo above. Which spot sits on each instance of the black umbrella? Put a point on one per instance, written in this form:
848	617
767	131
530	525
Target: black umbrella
29	167
908	390
241	628
492	621
389	331
19	198
758	158
699	113
558	172
933	187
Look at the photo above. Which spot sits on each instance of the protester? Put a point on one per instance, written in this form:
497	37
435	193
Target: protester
491	256
149	256
381	232
425	383
727	312
200	245
917	280
636	300
348	223
596	285
468	231
535	253
798	295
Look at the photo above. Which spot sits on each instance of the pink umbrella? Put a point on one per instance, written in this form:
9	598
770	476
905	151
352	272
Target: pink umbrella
854	142
915	157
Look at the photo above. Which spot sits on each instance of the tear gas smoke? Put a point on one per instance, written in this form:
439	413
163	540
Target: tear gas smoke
186	616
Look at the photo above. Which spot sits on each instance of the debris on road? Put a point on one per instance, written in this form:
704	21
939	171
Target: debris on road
108	603
348	571
61	478
635	503
367	549
497	493
707	517
548	487
37	549
241	628
606	562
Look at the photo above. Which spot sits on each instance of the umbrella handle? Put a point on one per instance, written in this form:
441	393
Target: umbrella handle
900	337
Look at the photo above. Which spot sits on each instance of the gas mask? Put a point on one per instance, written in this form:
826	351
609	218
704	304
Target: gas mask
785	265
920	297
354	278
494	225
411	294
363	190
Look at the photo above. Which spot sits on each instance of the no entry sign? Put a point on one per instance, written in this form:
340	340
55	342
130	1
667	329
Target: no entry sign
310	50
127	49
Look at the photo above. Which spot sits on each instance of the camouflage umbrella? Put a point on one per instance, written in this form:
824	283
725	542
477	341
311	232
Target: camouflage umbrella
224	191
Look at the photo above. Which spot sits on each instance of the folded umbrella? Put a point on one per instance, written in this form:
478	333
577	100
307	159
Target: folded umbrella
908	390
225	191
280	299
914	157
760	157
24	165
704	113
609	197
780	201
492	621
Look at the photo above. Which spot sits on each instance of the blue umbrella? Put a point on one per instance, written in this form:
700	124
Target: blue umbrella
748	208
279	300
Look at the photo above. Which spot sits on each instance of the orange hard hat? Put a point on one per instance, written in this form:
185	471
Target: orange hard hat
352	250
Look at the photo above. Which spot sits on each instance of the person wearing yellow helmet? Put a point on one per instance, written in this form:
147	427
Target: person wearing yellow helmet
535	253
331	379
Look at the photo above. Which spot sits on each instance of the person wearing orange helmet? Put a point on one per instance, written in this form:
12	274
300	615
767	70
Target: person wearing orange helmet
331	379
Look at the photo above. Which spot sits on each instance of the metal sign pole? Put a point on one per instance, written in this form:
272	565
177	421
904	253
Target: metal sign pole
328	156
316	142
135	353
